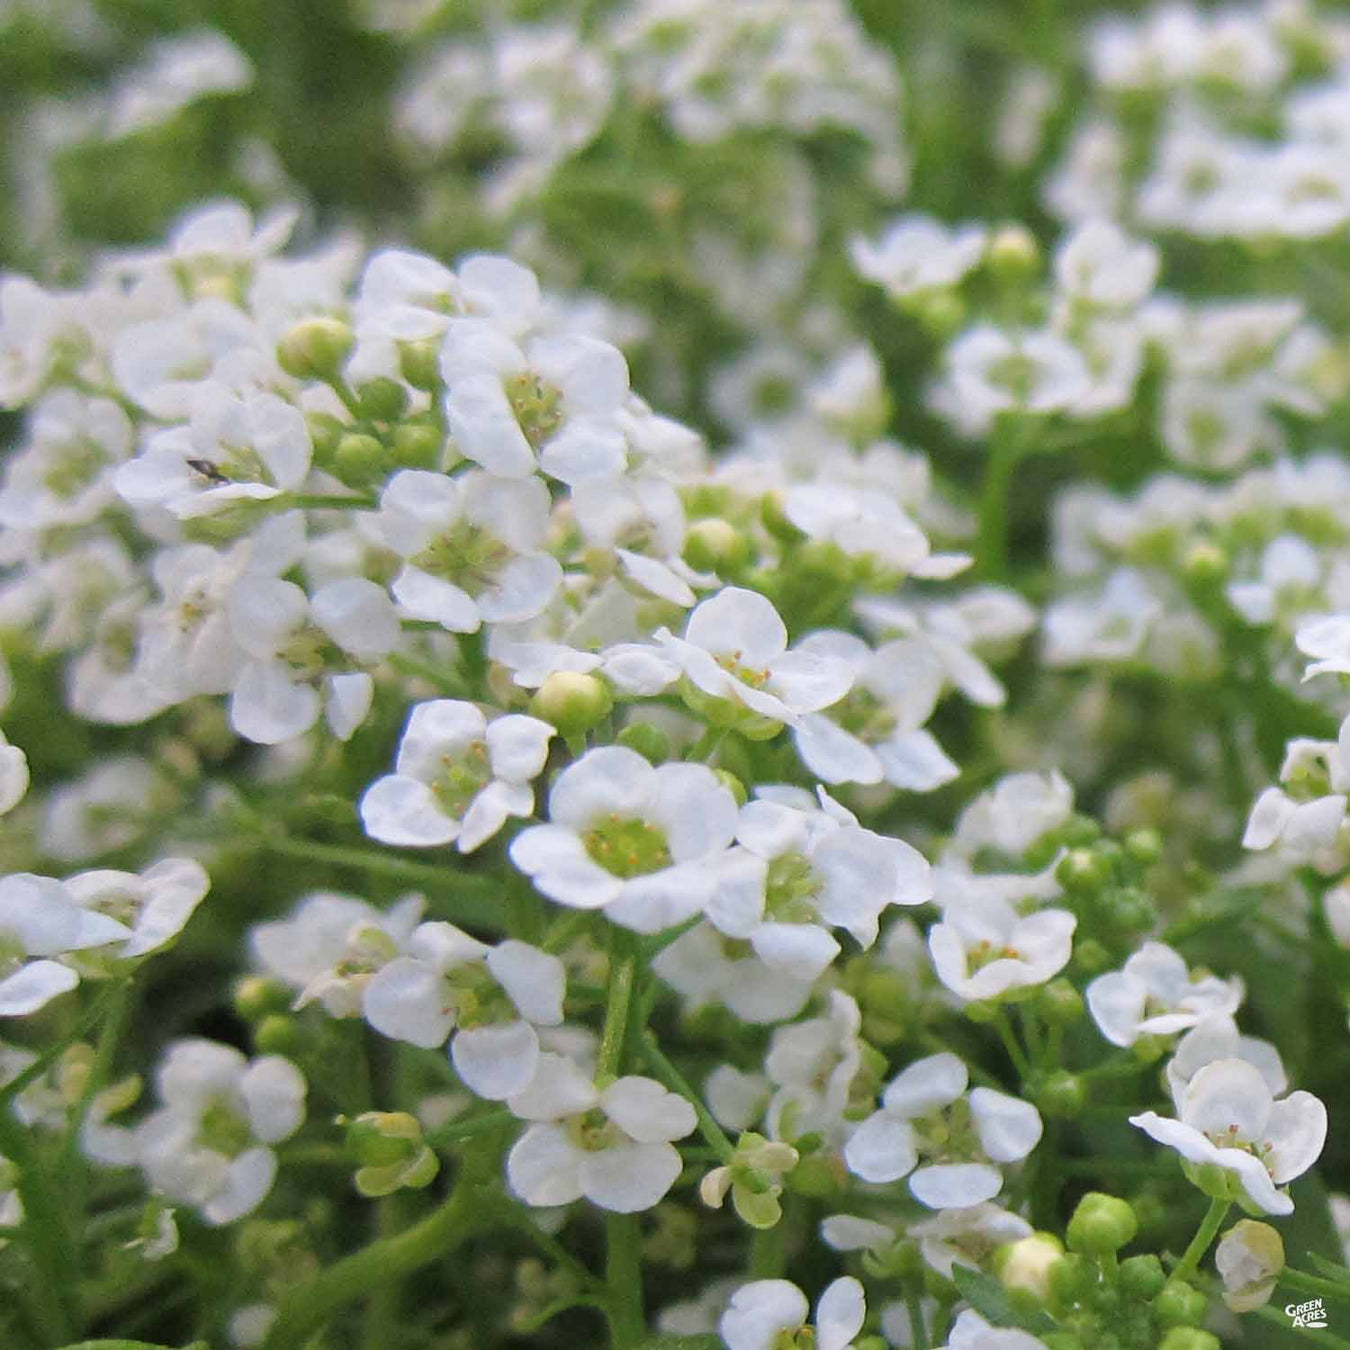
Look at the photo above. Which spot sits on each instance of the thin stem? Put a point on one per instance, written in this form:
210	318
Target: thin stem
918	1333
1006	1034
613	1036
390	1258
54	1052
767	1257
313	501
623	1277
711	1131
476	902
1204	1235
1312	1284
1009	445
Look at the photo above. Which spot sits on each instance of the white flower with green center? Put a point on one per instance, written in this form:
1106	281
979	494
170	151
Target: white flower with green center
208	1145
927	1117
644	844
734	652
307	655
491	998
40	920
917	254
1155	994
1299	831
821	1071
612	1146
1237	1140
235	449
1216	1036
772	1315
983	948
875	732
797	873
154	904
556	398
61	474
331	945
457	778
473	547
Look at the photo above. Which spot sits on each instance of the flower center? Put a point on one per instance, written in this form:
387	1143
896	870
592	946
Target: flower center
536	404
476	999
462	778
791	888
1017	374
755	677
310	652
627	847
984	952
124	906
865	715
368	949
467	556
75	466
593	1131
794	1338
223	1129
948	1136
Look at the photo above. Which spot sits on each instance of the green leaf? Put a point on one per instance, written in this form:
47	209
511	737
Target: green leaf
989	1298
1331	1270
130	1345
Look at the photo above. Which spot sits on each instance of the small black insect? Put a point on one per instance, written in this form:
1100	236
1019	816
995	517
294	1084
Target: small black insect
207	470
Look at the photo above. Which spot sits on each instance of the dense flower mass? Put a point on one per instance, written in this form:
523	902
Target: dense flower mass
674	675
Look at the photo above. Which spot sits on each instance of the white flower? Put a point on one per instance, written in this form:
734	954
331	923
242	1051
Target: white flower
331	945
234	449
799	872
926	1113
296	642
918	254
983	948
613	1147
735	649
457	777
491	997
642	843
13	775
1154	994
154	904
968	1235
971	1332
1102	266
1216	1036
39	918
813	1065
209	1144
875	733
1012	815
1299	830
473	547
861	522
1228	1118
557	397
768	1313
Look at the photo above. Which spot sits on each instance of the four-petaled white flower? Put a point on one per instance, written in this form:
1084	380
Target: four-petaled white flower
926	1113
983	948
154	904
1155	994
457	777
642	843
734	650
208	1145
769	1313
612	1146
1228	1119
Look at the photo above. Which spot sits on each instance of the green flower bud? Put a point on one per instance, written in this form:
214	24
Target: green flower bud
1059	1003
1061	1094
1189	1338
716	545
382	399
733	785
1023	1267
360	460
777	524
417	445
392	1153
1101	1225
1144	845
315	348
1205	564
647	739
1083	871
1180	1305
1249	1258
1142	1277
255	996
1129	908
1013	253
941	312
1091	957
277	1034
1070	1279
574	702
420	363
325	431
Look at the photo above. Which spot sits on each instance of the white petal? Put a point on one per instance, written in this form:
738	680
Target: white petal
955	1185
518	746
274	1090
33	986
247	1181
661	900
544	1166
431	598
535	981
629	1177
833	754
268	707
496	1062
801	950
642	1108
1008	1127
1297	1130
405	1000
348	704
556	861
759	1311
926	1086
881	1148
403	811
840	1314
558	1089
740	622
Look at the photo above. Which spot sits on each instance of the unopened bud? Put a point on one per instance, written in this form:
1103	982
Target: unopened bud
1180	1305
1023	1267
572	701
418	445
1190	1338
1206	563
360	459
1059	1003
715	545
647	739
419	363
392	1153
1249	1258
277	1034
314	349
1101	1225
255	996
1142	1277
382	399
1013	253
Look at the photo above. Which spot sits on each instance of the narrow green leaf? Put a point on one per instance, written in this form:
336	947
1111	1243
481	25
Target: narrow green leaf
989	1298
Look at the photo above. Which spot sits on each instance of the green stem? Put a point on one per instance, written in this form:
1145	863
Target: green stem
1008	447
475	901
918	1334
311	501
390	1258
614	1035
623	1277
711	1131
1312	1284
767	1257
1204	1235
54	1052
1006	1034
